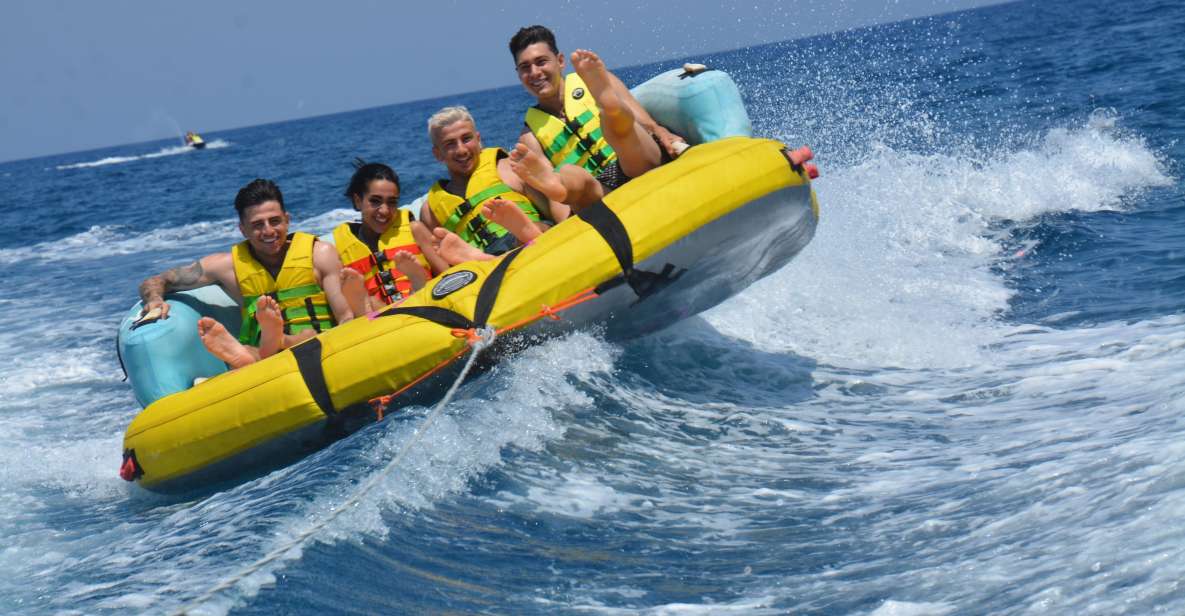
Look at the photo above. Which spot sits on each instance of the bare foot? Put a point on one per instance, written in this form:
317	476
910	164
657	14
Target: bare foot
636	151
222	345
538	173
456	250
615	115
409	266
354	290
509	215
271	326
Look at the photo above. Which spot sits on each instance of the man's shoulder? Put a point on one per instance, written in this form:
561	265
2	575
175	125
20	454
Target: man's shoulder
320	245
218	259
219	266
325	257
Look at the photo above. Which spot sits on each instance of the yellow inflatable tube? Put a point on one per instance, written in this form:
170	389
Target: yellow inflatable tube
294	401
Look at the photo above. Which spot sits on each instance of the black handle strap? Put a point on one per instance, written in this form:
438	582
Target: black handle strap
644	283
308	353
308	360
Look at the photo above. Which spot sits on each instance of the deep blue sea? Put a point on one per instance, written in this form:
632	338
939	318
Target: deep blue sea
965	396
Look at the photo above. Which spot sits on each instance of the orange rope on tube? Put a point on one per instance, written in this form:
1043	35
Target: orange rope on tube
471	337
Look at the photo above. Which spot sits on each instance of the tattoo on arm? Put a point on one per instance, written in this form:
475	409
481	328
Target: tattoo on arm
176	279
184	276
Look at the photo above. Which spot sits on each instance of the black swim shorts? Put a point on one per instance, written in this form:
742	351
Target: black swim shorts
612	177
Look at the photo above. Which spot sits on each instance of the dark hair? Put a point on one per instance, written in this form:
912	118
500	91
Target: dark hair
366	173
258	191
525	37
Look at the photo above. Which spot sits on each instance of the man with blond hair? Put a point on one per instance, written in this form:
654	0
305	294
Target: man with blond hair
482	209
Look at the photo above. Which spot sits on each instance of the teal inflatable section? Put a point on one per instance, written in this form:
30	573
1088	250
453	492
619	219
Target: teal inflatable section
163	357
700	107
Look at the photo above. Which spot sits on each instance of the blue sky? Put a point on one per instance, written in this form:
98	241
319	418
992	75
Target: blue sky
83	75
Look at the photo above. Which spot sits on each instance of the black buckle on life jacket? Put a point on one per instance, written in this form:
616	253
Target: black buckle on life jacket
586	144
481	232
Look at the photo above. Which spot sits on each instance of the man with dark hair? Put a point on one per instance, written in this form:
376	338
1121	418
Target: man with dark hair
587	134
288	286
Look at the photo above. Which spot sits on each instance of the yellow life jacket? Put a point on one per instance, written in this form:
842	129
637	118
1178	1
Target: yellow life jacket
576	140
463	216
301	300
383	279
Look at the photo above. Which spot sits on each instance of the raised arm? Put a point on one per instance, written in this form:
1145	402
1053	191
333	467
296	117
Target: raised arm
208	270
328	266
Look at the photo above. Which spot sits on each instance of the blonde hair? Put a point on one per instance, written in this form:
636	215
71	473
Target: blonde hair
446	117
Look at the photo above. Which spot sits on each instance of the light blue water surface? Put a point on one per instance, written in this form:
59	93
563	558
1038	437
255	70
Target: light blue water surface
963	398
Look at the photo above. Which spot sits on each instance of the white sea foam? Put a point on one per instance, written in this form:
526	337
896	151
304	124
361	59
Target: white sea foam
906	608
28	370
102	241
899	271
1049	423
579	495
899	276
757	606
166	151
217	538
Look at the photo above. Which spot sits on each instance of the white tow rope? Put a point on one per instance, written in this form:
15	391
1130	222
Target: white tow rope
485	337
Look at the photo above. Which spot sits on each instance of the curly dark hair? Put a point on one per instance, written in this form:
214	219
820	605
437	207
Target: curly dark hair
255	192
366	173
525	37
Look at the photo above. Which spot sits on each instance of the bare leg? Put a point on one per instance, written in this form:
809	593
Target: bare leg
456	250
559	211
428	244
271	326
354	290
568	184
636	151
222	345
293	339
509	215
410	267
